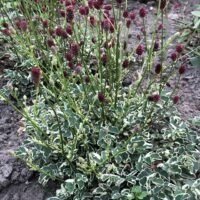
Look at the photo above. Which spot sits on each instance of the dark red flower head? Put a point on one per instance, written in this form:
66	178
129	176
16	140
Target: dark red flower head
75	48
6	31
182	69
36	74
69	30
156	46
104	59
173	56
50	43
125	63
45	23
176	99
69	56
87	79
90	4
70	13
107	25
98	4
163	4
78	68
107	7
65	74
142	12
92	21
22	25
179	48
158	68
119	1
84	10
125	14
101	97
140	50
155	98
132	15
128	23
62	13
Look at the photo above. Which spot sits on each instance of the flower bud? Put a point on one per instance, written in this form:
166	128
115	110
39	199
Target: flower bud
158	68
36	74
182	69
75	48
173	56
175	99
125	63
140	50
69	30
179	48
142	12
125	14
101	97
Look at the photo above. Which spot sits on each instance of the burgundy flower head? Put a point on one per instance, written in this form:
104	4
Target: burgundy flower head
158	68
92	21
155	98
128	23
176	99
84	10
87	79
36	74
69	30
125	14
78	68
90	4
22	25
69	56
107	7
163	4
70	13
173	56
179	48
119	1
142	12
101	97
65	74
50	43
156	46
104	59
59	31
107	25
75	48
6	31
45	23
140	50
62	13
125	63
98	4
132	15
182	69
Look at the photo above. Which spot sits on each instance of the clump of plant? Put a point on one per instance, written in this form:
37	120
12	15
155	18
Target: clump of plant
102	122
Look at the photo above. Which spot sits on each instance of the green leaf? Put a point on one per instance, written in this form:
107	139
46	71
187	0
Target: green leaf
196	13
113	129
70	186
195	61
136	189
142	195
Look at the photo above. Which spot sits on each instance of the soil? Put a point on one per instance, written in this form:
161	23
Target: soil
17	181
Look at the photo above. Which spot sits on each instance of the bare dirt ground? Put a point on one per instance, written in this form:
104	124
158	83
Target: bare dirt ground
17	182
